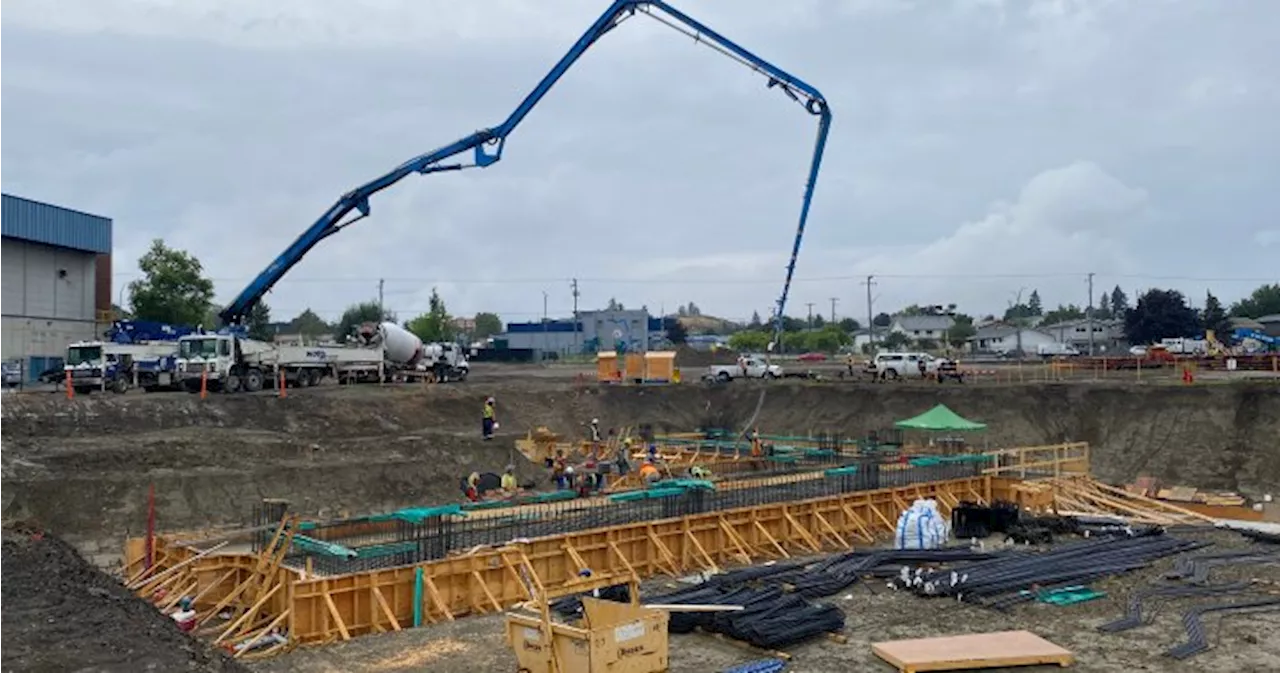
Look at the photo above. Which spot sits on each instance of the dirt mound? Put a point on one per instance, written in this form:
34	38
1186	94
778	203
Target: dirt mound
61	614
82	467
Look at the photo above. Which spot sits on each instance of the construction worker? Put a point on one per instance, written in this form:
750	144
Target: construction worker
558	469
489	422
509	484
623	457
699	472
594	429
649	473
848	363
473	487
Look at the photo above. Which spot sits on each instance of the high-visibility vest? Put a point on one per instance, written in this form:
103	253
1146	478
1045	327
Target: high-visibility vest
488	411
648	469
508	482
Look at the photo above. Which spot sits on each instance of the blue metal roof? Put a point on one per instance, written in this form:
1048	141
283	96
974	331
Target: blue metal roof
54	225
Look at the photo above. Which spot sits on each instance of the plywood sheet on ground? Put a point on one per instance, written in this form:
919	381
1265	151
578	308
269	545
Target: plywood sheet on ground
979	650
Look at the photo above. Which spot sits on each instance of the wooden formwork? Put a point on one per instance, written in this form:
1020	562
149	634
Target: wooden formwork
324	609
320	609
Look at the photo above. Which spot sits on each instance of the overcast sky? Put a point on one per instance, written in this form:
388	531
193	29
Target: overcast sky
978	147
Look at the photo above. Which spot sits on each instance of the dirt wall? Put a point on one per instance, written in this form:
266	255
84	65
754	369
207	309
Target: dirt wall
81	467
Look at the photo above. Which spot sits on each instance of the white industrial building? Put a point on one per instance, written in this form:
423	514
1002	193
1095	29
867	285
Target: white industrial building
56	267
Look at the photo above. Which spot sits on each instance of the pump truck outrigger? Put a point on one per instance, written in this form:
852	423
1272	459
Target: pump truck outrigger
331	222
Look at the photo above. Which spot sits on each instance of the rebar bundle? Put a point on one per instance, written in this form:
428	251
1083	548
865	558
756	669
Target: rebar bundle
984	581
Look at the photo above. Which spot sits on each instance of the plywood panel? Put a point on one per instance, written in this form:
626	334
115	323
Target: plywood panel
979	650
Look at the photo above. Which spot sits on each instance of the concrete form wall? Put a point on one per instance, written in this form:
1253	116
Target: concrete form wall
49	298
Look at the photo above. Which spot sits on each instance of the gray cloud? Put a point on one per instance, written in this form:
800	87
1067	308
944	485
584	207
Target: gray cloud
971	138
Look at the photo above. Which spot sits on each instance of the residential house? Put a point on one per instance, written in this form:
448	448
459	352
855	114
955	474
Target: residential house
919	327
1002	338
1108	335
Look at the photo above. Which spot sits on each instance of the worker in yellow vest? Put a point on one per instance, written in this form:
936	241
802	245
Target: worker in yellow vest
489	422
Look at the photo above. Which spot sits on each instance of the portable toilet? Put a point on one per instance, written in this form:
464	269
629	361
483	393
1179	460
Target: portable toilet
635	367
607	366
659	367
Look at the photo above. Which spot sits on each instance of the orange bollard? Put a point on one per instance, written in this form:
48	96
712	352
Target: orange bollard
71	391
204	384
283	393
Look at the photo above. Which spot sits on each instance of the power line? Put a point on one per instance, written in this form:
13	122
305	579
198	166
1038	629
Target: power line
738	281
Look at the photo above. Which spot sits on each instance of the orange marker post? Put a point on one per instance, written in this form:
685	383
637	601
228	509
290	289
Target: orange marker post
204	384
283	393
71	391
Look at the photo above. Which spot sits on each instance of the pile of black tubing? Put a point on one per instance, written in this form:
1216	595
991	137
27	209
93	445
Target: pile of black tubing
770	618
571	606
1000	582
970	519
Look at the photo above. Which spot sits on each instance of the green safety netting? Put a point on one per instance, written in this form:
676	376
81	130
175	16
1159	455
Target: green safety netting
939	418
420	514
927	461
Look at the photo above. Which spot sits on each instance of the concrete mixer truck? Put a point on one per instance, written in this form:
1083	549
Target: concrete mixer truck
403	349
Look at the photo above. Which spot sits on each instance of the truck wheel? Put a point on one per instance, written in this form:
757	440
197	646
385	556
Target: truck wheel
253	380
723	376
231	384
462	374
891	374
83	390
769	376
313	377
119	386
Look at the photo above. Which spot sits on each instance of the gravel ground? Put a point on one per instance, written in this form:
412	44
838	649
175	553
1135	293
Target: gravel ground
1241	644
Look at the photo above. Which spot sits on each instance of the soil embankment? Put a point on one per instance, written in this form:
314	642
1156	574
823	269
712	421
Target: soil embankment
81	467
61	614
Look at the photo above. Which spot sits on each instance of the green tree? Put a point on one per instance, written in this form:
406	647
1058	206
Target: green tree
750	341
1119	303
1104	306
961	331
1063	314
818	321
173	288
120	312
615	305
1214	317
1160	314
1265	300
487	325
1033	303
357	315
258	322
755	323
895	341
434	325
676	332
849	325
914	309
308	324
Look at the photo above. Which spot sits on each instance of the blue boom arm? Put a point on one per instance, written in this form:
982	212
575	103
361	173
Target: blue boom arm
332	221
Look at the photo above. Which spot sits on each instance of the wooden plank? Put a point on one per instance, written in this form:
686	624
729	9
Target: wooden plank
337	618
386	609
979	650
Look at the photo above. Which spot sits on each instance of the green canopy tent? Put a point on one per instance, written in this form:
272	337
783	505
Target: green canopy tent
941	419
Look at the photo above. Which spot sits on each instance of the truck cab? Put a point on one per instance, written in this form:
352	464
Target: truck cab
223	361
88	366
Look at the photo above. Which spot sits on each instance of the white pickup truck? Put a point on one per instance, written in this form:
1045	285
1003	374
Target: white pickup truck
749	368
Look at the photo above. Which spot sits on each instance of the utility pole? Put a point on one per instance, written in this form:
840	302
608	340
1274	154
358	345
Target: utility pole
382	312
1088	314
1017	320
810	305
577	348
833	309
871	325
545	337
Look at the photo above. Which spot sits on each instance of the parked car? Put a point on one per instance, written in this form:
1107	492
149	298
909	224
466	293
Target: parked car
813	357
